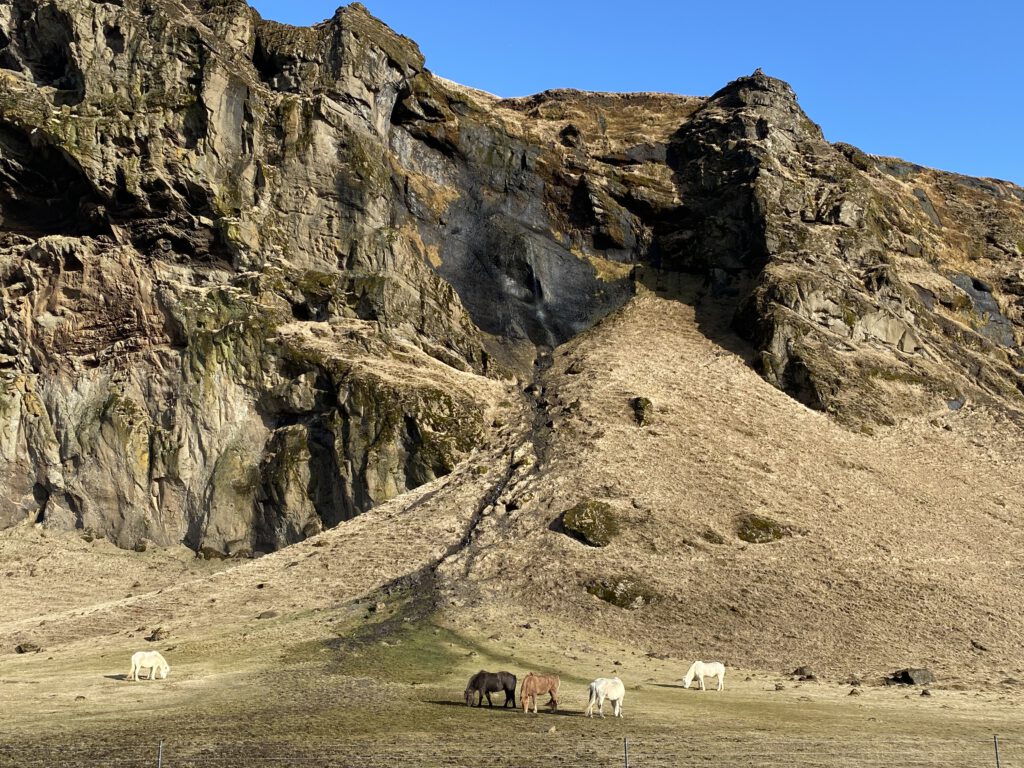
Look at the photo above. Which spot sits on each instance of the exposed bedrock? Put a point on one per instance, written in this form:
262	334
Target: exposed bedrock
256	279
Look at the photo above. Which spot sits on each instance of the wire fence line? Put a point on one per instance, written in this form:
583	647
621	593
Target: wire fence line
993	751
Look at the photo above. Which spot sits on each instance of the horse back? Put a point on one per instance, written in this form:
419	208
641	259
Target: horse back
491	681
534	684
547	683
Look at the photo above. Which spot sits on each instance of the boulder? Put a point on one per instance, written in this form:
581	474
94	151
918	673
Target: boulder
911	676
643	410
591	522
712	536
621	592
804	673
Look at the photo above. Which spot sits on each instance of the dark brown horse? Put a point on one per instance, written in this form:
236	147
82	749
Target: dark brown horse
485	683
533	685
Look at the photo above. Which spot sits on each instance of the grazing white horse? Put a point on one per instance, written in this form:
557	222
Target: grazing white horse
702	669
151	660
606	688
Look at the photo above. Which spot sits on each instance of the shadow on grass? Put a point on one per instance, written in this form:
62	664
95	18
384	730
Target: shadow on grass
498	708
122	676
453	703
679	686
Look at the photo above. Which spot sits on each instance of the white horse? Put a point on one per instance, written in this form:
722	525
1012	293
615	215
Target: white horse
152	660
606	688
702	669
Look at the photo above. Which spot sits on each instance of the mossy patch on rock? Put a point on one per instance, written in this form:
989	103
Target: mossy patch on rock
757	529
623	592
711	536
590	522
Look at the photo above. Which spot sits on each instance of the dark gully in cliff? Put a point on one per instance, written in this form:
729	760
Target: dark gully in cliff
256	279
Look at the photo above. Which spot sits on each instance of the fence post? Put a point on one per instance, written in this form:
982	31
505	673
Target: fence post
995	743
625	751
160	755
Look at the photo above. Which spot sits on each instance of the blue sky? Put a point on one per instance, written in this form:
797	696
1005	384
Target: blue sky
937	83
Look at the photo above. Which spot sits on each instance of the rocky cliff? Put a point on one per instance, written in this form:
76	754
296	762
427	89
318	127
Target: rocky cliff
256	279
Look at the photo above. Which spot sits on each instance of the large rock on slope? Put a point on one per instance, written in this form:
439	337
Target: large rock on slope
253	276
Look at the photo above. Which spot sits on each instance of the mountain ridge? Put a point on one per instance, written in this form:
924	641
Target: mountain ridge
240	177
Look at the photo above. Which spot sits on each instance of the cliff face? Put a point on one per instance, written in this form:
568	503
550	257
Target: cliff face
215	329
257	279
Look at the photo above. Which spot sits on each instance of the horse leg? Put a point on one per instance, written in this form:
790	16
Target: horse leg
489	702
702	683
721	683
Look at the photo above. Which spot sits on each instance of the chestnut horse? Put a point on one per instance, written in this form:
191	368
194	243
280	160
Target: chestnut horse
534	684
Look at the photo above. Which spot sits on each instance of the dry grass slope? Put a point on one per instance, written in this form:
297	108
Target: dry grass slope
905	549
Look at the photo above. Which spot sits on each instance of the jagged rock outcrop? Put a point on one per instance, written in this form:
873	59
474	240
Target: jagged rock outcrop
214	332
256	279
